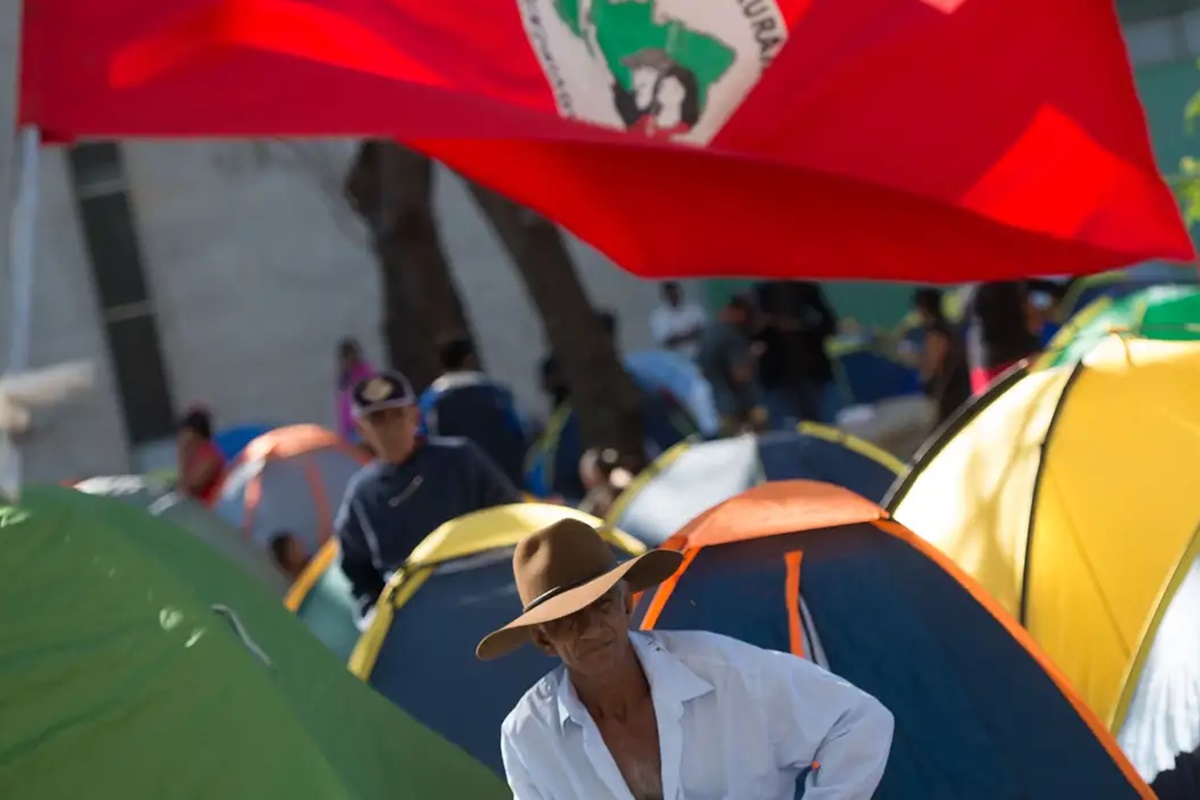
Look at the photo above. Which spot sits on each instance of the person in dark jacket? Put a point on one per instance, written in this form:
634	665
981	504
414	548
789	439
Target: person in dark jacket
1181	781
999	330
466	402
943	362
726	359
413	486
794	368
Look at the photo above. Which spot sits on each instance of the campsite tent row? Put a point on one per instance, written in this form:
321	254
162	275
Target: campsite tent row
801	567
1076	507
681	483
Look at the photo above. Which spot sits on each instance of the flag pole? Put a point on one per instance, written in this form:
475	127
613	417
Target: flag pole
10	88
22	231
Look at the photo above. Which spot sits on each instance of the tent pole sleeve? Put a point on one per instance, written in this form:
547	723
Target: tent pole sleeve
20	254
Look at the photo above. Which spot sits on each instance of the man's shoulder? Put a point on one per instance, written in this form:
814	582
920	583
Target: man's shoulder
365	475
712	653
536	710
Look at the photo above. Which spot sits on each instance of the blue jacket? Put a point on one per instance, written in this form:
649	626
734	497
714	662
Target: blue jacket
476	407
388	509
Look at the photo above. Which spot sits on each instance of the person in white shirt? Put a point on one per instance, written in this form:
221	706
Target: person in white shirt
677	325
667	715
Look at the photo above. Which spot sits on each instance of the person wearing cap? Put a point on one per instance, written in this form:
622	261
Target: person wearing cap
413	485
465	401
201	466
664	715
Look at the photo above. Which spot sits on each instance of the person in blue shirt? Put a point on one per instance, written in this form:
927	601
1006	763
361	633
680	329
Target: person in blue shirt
413	486
466	402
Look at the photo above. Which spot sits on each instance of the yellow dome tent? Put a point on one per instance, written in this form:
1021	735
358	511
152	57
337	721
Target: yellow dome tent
1070	491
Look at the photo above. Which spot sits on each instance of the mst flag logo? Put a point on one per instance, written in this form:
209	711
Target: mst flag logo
671	69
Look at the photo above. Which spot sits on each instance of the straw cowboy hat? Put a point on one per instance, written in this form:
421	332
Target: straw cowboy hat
564	568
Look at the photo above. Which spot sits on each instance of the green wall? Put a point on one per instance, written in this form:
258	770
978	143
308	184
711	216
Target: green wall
1165	89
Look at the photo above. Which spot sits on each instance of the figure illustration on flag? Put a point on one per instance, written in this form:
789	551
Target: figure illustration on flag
671	69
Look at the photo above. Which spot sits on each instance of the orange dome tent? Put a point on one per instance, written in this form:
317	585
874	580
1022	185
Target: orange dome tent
289	480
816	570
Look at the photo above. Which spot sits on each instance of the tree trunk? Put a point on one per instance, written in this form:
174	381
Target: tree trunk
392	189
602	392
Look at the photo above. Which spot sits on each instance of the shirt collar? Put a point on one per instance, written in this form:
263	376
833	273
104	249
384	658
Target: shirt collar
456	379
672	683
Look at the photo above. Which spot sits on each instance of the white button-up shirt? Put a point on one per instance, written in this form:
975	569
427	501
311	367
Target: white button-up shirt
735	722
667	321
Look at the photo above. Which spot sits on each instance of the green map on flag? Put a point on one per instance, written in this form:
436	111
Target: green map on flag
625	29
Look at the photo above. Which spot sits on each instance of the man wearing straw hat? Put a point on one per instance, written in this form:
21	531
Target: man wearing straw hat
667	715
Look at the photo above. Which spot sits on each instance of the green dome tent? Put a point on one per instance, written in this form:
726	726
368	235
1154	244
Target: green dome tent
192	517
1167	313
136	662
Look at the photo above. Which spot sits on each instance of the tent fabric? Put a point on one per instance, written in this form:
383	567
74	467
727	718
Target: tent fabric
865	374
1042	517
1120	283
694	476
660	370
193	518
552	465
324	601
290	480
1164	704
1160	312
233	440
136	662
776	144
456	588
980	712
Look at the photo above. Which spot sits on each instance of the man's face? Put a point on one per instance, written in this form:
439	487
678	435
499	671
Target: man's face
672	294
391	432
186	437
593	640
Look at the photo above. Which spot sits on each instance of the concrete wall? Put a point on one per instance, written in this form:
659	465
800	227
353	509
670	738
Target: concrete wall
257	271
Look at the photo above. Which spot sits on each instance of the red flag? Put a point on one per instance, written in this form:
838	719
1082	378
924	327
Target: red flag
937	140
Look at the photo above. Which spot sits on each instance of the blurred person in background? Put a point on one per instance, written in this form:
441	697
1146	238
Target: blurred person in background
793	366
999	328
466	402
352	368
726	359
288	554
942	360
412	487
200	464
604	477
1045	307
677	324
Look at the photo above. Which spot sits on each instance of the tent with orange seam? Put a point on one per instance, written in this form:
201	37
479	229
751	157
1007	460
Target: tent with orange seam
813	569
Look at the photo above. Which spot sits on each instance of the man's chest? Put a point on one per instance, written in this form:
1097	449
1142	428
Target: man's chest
682	320
408	508
634	747
700	756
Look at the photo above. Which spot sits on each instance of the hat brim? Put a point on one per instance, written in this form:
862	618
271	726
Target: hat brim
641	573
